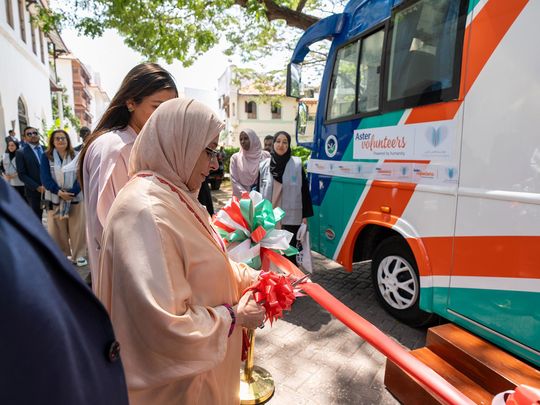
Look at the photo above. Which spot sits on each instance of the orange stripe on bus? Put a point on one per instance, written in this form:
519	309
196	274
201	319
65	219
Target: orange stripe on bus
490	26
497	256
434	112
381	193
478	256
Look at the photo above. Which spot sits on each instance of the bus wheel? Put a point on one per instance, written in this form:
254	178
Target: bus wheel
396	282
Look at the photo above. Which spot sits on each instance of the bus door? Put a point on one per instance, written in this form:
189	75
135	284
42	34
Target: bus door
495	281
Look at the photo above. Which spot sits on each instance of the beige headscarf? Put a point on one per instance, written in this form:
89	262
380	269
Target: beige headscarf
173	138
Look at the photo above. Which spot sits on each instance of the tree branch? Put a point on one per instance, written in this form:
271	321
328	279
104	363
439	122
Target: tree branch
293	18
301	5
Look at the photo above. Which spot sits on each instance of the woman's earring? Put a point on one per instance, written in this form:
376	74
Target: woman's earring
131	109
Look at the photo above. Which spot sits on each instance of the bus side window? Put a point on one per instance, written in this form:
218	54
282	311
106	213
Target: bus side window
370	72
422	53
342	100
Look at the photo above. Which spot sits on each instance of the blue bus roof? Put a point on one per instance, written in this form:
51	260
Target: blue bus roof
358	16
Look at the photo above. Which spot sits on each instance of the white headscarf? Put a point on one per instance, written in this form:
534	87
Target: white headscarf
173	138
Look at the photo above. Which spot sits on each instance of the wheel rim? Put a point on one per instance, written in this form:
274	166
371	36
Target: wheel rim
397	282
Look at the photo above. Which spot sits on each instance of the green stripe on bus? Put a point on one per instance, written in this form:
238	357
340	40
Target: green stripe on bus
505	312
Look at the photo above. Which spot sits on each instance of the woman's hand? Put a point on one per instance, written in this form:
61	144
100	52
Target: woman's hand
66	196
248	313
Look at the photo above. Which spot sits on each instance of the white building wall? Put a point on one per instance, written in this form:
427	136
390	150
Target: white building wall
22	74
65	77
100	102
264	124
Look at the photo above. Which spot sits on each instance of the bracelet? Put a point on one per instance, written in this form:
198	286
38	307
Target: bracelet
233	318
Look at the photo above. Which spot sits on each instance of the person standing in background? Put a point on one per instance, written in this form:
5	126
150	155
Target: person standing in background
268	142
9	166
11	136
65	209
83	134
28	160
103	161
283	181
244	165
205	197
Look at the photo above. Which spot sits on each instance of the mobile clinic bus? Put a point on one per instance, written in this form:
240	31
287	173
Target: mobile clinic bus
426	158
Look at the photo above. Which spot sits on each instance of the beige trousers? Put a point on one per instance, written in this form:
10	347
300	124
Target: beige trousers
69	233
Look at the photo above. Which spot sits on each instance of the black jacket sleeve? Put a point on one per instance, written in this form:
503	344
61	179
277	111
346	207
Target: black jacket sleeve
307	206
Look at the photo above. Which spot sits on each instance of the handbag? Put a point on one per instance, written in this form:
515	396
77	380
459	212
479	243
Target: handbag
44	204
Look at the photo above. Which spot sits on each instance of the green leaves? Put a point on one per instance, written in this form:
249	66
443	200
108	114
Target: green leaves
184	29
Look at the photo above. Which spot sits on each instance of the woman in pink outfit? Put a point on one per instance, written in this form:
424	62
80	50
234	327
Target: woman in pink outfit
174	297
103	161
244	166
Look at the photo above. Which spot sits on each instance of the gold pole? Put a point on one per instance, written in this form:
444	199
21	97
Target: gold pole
256	384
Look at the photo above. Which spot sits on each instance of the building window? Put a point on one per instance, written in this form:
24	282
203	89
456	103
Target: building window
251	110
275	108
41	47
23	118
33	36
234	109
21	19
9	13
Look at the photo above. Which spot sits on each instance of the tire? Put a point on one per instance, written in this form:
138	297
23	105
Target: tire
215	184
398	291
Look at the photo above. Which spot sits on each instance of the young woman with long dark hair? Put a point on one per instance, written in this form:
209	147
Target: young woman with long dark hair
103	163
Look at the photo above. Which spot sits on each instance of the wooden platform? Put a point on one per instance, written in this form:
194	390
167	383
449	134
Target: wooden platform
474	366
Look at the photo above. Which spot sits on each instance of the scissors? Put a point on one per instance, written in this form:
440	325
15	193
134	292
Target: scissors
300	280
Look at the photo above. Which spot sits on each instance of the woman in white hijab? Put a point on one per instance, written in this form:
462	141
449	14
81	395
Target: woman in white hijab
174	297
244	165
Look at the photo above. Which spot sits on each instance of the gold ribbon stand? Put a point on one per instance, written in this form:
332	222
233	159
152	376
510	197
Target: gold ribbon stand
256	384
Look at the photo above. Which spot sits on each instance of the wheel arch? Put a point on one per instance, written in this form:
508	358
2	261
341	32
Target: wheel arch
372	233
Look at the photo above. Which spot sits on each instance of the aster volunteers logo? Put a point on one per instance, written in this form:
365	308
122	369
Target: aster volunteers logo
423	141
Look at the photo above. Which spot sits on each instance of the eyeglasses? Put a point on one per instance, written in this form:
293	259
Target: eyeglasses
32	133
60	138
212	154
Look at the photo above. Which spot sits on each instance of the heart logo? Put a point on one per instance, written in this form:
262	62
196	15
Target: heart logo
436	136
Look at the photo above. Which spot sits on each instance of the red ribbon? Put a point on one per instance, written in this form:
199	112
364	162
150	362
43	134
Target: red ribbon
258	234
275	292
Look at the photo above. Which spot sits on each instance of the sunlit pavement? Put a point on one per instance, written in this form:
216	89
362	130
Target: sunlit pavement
314	358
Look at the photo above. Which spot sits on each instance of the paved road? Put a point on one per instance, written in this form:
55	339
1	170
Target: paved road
313	358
